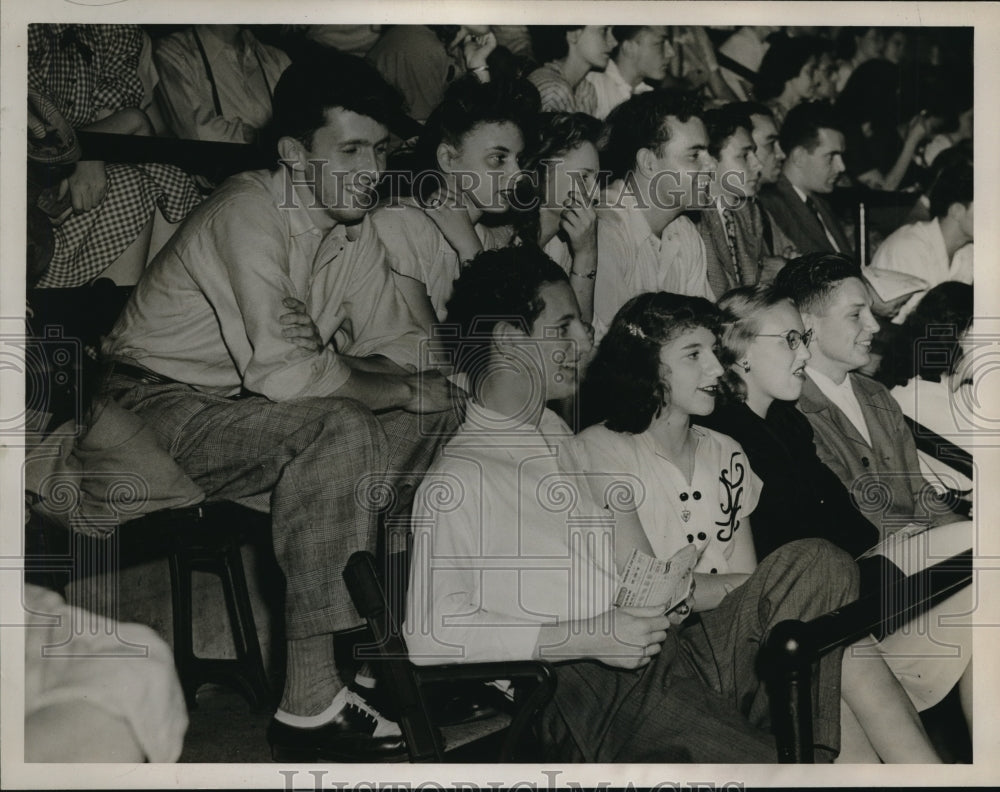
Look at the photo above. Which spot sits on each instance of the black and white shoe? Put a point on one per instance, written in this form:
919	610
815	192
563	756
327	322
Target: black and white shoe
357	733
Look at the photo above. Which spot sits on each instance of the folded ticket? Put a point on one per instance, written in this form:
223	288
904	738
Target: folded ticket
655	581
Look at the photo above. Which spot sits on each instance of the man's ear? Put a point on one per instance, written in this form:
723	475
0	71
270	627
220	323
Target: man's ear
809	320
645	162
794	157
505	335
628	47
446	155
293	153
573	36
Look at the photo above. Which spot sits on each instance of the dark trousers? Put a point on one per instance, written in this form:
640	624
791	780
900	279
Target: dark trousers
701	699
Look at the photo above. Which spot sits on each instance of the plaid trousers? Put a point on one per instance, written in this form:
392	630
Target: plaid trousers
330	466
701	699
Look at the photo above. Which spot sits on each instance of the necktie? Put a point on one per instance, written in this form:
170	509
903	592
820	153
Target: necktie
811	206
729	223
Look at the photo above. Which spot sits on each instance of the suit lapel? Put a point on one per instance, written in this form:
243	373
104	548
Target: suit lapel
833	224
869	409
808	224
813	400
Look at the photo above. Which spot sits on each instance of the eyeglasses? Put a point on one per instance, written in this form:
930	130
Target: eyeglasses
793	337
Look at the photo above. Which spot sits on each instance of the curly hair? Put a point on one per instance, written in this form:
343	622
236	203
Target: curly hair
467	105
783	61
302	96
556	134
741	310
721	124
641	122
624	387
499	285
810	279
928	344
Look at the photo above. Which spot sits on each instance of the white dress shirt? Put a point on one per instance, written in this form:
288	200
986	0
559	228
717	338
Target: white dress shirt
612	89
632	259
506	539
918	249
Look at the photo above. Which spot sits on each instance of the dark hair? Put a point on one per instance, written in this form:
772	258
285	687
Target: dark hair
751	109
721	124
847	44
782	62
560	133
556	134
623	33
872	94
953	185
928	344
641	122
808	280
326	79
468	104
549	41
497	285
802	125
445	33
741	310
623	386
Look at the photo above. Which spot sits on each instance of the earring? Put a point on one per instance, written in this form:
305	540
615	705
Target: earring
745	365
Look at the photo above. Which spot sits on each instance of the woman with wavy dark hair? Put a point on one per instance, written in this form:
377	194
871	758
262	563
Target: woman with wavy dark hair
465	166
787	74
656	368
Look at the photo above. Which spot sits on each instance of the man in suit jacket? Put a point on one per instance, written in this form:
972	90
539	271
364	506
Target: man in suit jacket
859	429
814	145
735	229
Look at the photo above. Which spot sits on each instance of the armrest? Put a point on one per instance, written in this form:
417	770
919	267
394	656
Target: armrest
406	680
793	646
940	448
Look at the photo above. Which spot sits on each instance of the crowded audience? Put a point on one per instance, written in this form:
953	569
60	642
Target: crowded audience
490	260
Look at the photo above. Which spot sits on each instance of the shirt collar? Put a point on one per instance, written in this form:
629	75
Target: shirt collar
299	220
636	222
825	384
803	196
615	76
215	46
482	422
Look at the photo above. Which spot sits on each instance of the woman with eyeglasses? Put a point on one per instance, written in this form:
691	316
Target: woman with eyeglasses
764	349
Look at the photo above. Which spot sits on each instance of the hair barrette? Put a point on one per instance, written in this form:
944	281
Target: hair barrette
635	330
